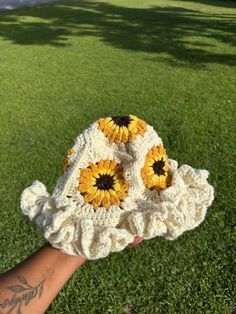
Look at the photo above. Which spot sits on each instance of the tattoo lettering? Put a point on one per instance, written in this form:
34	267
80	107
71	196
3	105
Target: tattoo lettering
23	294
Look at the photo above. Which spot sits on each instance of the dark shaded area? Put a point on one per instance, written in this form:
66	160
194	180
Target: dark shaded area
215	3
181	33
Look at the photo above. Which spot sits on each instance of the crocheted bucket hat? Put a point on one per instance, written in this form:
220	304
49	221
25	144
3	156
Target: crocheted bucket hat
118	182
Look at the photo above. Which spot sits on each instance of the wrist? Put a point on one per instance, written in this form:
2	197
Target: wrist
76	260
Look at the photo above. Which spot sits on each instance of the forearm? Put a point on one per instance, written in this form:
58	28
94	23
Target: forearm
33	284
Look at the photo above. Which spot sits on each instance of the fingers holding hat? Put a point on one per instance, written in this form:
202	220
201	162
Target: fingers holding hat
137	240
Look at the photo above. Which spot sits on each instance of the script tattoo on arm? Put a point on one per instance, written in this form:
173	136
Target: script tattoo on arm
23	294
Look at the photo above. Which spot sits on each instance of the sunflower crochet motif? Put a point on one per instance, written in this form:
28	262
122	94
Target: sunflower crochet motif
103	184
117	182
122	129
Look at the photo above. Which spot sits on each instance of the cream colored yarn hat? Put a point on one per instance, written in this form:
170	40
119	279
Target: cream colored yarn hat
118	182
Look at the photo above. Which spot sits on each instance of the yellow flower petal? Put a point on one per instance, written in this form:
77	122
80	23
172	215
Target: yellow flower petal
112	192
96	202
83	188
107	163
92	189
115	200
89	197
71	151
121	194
106	202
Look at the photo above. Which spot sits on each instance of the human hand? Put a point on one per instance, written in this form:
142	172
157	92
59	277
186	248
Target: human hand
137	240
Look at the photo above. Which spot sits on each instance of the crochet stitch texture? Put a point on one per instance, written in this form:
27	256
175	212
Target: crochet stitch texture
118	182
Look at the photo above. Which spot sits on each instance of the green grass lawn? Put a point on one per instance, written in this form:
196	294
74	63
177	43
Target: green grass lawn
173	64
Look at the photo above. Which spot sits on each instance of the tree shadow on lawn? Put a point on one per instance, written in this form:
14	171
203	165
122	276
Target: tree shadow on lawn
188	37
215	3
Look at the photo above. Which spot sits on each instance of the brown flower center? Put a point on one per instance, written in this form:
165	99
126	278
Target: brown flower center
121	121
158	167
104	182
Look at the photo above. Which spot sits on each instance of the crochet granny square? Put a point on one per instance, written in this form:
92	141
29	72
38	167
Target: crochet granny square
118	182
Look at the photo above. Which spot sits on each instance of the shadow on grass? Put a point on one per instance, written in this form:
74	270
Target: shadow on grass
189	37
215	3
